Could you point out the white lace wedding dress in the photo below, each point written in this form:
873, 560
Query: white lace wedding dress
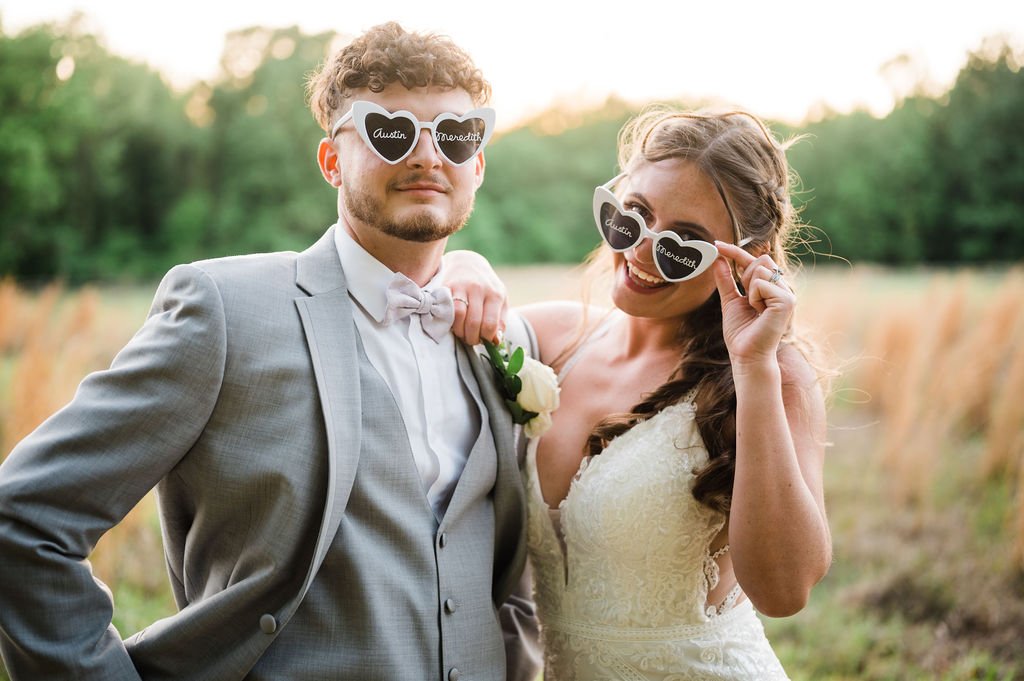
622, 568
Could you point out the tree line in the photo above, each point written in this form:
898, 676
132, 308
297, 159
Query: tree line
107, 173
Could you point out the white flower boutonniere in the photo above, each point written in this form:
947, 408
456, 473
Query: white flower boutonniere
530, 388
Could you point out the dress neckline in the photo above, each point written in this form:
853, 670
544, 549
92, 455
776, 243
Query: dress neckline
531, 457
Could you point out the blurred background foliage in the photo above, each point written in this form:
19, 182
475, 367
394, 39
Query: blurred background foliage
107, 173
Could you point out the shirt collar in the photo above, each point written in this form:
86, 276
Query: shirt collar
367, 277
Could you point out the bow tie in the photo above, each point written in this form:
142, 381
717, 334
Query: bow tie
435, 307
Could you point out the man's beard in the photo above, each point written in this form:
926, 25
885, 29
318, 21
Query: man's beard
422, 227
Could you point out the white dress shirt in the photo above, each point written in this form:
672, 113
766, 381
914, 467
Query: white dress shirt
438, 410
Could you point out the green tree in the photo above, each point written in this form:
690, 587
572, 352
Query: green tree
866, 183
938, 180
90, 145
980, 150
535, 203
260, 183
106, 172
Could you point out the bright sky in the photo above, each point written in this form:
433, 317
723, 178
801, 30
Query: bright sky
779, 59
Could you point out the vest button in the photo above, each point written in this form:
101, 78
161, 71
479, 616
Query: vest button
443, 540
449, 606
454, 674
268, 625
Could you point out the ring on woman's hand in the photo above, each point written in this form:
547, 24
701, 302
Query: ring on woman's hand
776, 275
461, 300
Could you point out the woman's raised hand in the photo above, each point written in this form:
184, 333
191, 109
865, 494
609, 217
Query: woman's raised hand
752, 324
480, 297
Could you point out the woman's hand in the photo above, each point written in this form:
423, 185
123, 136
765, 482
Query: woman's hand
481, 299
753, 324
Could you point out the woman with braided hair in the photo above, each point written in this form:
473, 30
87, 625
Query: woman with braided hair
679, 487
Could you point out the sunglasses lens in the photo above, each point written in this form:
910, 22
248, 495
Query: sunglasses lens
620, 231
679, 261
392, 138
459, 141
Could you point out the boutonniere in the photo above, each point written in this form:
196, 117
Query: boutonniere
529, 387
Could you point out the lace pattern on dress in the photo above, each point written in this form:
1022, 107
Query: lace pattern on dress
711, 577
627, 598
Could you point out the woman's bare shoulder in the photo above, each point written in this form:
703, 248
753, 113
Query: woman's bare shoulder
560, 323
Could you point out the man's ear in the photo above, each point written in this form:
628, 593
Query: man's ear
480, 163
327, 158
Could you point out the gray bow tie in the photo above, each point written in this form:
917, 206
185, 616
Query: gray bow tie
435, 307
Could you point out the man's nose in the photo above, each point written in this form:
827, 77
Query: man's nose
424, 154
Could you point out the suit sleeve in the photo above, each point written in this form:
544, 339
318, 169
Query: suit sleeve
82, 470
523, 652
519, 333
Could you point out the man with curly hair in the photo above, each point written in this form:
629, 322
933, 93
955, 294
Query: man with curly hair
337, 480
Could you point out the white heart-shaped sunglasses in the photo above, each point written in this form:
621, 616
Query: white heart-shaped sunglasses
677, 259
393, 136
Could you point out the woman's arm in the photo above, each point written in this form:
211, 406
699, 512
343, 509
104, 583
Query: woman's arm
778, 533
481, 307
779, 536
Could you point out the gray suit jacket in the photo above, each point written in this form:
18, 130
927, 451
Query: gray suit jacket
236, 400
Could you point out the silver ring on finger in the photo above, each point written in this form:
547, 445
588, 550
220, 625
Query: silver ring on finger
776, 275
461, 300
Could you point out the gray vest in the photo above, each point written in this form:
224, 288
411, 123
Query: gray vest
400, 595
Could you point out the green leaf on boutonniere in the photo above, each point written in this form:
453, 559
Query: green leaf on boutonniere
515, 363
513, 385
496, 359
509, 384
519, 415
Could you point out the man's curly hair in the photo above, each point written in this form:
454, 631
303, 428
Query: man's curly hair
388, 54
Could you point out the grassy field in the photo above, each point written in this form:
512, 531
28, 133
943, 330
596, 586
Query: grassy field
924, 479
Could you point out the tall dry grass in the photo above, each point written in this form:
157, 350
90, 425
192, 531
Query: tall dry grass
939, 367
10, 300
49, 340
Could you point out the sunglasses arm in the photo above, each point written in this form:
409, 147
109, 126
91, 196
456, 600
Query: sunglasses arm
341, 121
611, 183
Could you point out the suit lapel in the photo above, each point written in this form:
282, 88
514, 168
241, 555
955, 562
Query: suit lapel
331, 337
509, 499
497, 413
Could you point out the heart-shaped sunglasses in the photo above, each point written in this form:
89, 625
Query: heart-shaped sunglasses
677, 259
393, 136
